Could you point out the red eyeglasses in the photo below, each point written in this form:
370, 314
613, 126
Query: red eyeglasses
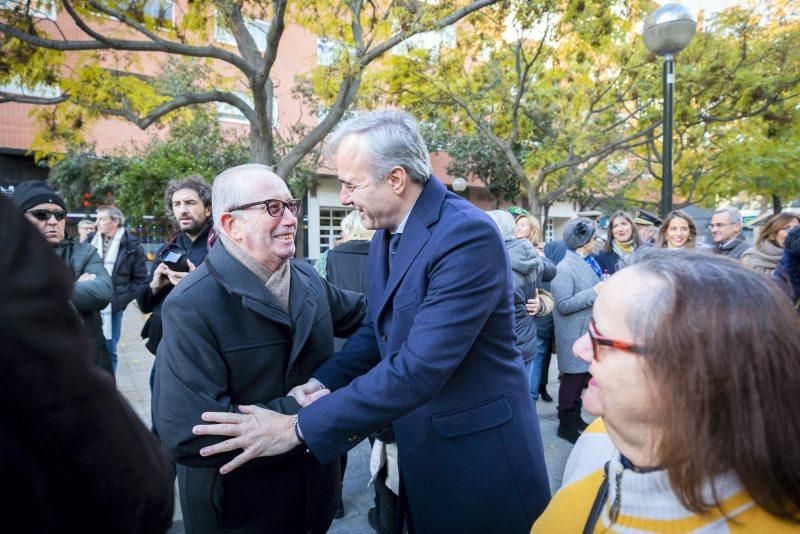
598, 340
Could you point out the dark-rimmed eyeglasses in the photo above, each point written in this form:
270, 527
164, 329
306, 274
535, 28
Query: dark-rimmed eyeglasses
44, 215
275, 207
599, 340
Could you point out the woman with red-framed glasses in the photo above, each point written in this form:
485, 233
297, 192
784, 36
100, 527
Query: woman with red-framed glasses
695, 365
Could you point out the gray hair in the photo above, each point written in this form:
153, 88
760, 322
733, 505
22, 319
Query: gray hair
114, 213
235, 186
393, 139
353, 229
734, 215
505, 222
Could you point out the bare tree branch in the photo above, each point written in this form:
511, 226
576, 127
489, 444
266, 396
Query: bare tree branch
180, 102
38, 100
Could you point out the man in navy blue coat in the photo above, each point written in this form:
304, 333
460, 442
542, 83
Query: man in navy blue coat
434, 356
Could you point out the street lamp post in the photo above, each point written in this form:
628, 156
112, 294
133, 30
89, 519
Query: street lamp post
667, 31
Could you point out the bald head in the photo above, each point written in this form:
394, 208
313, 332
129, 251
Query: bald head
240, 185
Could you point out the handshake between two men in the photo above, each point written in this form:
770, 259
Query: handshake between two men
258, 431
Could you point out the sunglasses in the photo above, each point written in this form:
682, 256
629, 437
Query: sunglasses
275, 207
599, 340
44, 215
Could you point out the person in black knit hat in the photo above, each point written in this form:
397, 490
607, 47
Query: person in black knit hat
47, 211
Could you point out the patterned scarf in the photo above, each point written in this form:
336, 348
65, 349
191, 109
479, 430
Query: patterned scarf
277, 283
591, 262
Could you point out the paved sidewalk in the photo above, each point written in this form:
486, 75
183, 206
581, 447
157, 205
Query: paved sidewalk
133, 375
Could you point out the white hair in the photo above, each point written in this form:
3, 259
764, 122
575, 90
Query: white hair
505, 222
235, 186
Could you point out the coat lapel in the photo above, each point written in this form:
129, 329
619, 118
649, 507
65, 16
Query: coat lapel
424, 214
303, 299
239, 280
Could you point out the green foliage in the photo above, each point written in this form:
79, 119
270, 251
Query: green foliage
136, 184
82, 178
197, 146
562, 88
472, 156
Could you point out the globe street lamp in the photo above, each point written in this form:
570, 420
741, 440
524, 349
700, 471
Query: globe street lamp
459, 185
667, 31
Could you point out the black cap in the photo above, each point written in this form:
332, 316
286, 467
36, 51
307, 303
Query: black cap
646, 219
33, 192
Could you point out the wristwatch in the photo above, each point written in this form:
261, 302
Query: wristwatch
297, 429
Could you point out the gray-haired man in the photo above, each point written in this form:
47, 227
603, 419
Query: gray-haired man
726, 231
123, 258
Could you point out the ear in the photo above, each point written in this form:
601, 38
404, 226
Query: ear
398, 180
231, 226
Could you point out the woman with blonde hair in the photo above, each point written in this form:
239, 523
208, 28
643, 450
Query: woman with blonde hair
528, 227
764, 257
678, 231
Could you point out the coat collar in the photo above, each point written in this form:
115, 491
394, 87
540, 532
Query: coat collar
236, 279
425, 214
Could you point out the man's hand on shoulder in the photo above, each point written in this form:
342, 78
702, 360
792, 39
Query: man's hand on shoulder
307, 393
258, 431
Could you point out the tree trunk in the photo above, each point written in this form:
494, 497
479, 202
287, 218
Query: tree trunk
535, 207
777, 205
260, 149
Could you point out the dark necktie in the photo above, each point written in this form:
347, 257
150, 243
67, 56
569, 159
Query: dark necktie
394, 242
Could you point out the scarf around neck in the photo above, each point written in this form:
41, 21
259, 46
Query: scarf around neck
623, 248
278, 283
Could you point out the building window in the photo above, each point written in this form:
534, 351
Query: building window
229, 113
548, 230
328, 51
330, 222
16, 87
257, 28
44, 9
158, 10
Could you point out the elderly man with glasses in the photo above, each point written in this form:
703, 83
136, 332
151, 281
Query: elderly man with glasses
726, 231
243, 329
47, 211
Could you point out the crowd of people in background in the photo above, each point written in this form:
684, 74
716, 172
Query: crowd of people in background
429, 329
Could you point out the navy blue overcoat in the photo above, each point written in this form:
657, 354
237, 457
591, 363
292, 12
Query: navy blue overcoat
435, 356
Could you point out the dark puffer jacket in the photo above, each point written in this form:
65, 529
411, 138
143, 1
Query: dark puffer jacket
130, 271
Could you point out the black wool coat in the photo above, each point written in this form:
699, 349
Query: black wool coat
228, 342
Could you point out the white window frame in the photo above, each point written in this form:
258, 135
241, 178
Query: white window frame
229, 113
16, 87
330, 225
257, 28
329, 49
38, 10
